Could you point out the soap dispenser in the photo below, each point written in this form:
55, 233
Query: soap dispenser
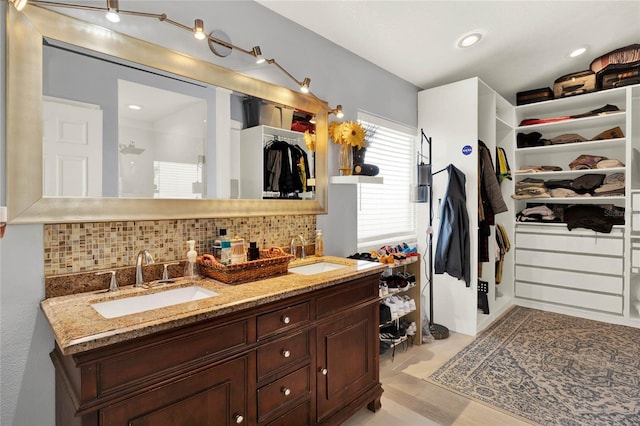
191, 268
319, 250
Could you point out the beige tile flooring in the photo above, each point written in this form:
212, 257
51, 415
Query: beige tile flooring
408, 400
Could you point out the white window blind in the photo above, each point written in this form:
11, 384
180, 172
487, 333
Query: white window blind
177, 180
385, 212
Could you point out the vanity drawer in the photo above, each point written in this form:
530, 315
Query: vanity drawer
347, 294
158, 357
276, 356
285, 392
299, 416
283, 319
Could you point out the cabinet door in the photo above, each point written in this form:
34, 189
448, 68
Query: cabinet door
347, 362
215, 396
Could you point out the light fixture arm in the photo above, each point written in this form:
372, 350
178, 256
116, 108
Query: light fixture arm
304, 85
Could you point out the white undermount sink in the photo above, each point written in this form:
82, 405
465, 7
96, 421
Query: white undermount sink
135, 304
316, 268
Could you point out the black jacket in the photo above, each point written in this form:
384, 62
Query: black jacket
453, 250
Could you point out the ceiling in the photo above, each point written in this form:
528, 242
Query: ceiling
525, 46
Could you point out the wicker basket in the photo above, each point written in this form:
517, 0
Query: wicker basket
272, 262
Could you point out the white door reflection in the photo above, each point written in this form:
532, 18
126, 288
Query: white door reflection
72, 148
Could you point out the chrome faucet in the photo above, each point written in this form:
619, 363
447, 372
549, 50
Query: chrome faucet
303, 242
148, 259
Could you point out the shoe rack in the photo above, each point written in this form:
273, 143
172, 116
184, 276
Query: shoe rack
404, 315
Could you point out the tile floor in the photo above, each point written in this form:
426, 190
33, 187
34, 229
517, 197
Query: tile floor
408, 400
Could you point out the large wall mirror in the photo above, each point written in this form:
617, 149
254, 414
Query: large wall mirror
135, 171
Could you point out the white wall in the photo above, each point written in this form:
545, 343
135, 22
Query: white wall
27, 383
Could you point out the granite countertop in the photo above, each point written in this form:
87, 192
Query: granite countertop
78, 327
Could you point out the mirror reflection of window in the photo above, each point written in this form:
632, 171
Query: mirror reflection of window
168, 133
177, 180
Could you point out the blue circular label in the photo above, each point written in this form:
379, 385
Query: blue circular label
466, 150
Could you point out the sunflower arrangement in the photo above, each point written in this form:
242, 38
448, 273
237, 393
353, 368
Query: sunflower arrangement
349, 132
310, 140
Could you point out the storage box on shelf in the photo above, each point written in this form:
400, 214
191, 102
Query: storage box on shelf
579, 271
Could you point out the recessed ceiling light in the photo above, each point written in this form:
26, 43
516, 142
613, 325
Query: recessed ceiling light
135, 107
469, 40
577, 52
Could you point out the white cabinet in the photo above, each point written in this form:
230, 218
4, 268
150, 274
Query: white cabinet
456, 116
252, 176
580, 268
580, 271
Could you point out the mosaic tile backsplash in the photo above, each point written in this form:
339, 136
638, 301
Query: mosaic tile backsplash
81, 247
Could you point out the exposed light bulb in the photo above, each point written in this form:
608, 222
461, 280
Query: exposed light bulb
135, 107
304, 88
19, 4
198, 31
258, 55
112, 11
339, 112
113, 16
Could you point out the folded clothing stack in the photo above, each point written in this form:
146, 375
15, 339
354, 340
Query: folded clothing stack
599, 218
530, 188
533, 139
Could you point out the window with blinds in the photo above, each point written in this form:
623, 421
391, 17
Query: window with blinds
177, 180
385, 212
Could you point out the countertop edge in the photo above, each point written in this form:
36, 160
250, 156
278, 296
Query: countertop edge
70, 327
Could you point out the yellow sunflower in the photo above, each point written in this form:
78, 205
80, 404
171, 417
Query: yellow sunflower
353, 133
335, 132
310, 140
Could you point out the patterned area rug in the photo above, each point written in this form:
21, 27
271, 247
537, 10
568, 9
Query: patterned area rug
551, 369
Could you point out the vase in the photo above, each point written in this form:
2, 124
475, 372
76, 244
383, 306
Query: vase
358, 155
345, 159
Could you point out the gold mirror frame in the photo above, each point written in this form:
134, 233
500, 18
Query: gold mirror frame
25, 203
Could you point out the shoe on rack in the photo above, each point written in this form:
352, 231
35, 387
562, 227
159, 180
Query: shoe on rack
383, 289
385, 313
384, 346
411, 279
407, 304
400, 306
412, 304
393, 307
396, 282
393, 330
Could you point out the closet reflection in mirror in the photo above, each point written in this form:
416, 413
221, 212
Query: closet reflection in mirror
117, 129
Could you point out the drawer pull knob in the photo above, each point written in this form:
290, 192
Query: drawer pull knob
323, 371
286, 319
286, 353
238, 418
286, 391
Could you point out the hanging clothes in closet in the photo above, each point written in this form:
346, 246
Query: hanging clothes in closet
286, 169
453, 250
490, 202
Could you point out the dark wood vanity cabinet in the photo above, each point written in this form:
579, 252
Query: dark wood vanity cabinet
308, 359
212, 396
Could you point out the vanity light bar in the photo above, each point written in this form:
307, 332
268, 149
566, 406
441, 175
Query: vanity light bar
198, 31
